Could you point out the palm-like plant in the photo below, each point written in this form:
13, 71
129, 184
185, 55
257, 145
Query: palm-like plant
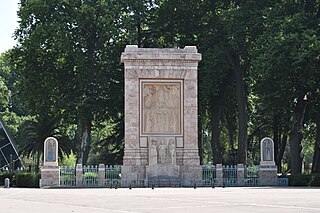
32, 134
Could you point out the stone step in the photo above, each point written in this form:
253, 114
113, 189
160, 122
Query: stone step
164, 181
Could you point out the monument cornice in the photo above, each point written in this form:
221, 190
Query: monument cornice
133, 53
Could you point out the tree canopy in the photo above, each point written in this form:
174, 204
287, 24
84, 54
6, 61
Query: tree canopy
259, 75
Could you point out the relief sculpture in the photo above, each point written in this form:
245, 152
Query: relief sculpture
162, 150
161, 108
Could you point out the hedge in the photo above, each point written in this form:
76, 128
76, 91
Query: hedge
305, 180
28, 180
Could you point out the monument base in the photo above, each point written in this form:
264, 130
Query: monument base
162, 170
50, 176
267, 174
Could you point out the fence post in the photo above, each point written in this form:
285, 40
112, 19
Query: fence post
102, 174
79, 175
240, 175
219, 175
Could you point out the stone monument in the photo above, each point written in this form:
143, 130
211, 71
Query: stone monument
267, 168
50, 172
161, 135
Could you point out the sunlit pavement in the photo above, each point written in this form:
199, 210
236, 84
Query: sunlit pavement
230, 199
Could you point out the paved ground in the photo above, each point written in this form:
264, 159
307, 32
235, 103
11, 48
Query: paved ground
166, 200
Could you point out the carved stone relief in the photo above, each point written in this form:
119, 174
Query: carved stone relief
162, 150
267, 149
161, 107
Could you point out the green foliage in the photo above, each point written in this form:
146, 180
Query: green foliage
28, 180
68, 160
64, 76
305, 180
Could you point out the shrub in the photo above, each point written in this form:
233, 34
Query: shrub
305, 180
28, 180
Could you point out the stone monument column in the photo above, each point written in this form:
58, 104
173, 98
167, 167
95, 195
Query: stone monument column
50, 171
267, 168
161, 135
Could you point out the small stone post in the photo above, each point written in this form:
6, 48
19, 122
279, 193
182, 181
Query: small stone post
7, 183
79, 175
50, 171
102, 175
240, 174
219, 175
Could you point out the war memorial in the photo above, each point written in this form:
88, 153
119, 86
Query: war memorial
161, 135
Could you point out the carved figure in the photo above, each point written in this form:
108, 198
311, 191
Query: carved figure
153, 158
268, 149
162, 151
172, 151
51, 146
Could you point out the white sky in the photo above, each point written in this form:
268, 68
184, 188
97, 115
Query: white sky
8, 23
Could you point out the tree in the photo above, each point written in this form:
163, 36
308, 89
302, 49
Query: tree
287, 61
66, 56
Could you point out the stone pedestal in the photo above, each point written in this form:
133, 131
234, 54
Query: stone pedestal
102, 174
50, 176
162, 170
79, 175
268, 175
267, 168
160, 113
50, 171
219, 175
240, 175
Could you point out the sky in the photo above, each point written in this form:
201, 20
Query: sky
8, 23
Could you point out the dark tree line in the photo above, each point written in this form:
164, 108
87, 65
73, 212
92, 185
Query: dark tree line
259, 75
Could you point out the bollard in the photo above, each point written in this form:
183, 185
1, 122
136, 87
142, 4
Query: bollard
130, 187
194, 185
152, 186
6, 183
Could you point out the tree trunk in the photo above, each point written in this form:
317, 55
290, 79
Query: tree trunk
215, 109
296, 135
85, 141
282, 147
86, 112
231, 136
316, 155
276, 134
234, 59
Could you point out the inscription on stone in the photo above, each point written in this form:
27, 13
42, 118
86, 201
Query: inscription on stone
161, 108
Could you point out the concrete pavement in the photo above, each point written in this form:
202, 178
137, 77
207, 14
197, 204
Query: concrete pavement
201, 200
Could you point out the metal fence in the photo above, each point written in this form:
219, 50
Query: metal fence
67, 176
113, 175
90, 176
110, 176
229, 175
208, 175
251, 175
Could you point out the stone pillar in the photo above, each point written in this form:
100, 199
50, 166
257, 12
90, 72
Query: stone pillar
267, 169
102, 175
79, 175
160, 110
219, 175
50, 171
240, 175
